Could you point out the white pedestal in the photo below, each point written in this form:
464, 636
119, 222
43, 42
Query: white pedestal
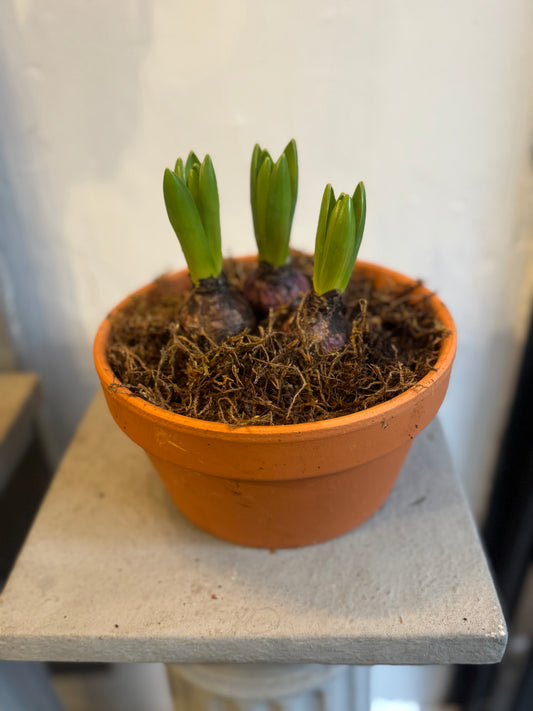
269, 687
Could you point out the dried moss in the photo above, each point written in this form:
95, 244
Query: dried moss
269, 377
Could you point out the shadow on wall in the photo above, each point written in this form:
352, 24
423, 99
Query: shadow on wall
70, 103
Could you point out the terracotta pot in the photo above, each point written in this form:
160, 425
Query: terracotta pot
281, 486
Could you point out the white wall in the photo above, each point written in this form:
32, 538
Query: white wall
427, 102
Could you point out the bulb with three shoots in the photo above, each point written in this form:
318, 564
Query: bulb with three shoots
213, 309
341, 223
275, 283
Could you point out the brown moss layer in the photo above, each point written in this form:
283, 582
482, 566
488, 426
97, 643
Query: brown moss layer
270, 377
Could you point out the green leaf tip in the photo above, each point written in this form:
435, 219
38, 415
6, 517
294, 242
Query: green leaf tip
273, 193
341, 224
193, 208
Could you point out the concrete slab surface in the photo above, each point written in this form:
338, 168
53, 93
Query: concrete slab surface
112, 571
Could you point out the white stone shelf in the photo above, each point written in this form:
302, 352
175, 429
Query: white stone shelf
112, 571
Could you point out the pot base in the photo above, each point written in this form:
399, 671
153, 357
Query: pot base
284, 513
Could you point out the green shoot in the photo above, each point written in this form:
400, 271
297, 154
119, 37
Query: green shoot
191, 199
273, 191
338, 238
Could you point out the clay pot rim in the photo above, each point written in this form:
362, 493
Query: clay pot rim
209, 428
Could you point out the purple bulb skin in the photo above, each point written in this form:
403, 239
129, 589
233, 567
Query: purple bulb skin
268, 287
323, 322
215, 310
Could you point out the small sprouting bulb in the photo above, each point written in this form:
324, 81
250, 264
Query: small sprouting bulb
191, 199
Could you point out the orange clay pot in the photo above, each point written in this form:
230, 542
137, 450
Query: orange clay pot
281, 486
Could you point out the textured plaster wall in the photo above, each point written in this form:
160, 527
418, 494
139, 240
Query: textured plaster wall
427, 102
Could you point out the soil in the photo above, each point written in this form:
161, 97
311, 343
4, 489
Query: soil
269, 377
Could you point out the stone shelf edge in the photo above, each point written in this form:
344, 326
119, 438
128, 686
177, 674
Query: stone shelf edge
111, 571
